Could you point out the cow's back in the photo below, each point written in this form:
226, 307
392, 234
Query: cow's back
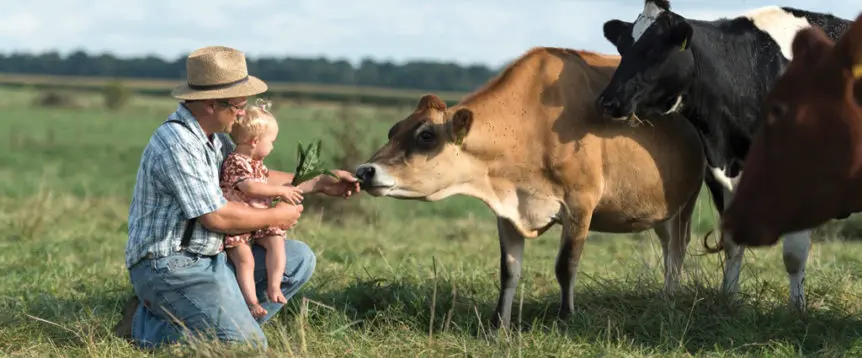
647, 173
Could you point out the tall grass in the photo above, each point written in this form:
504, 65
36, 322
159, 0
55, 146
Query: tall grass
394, 278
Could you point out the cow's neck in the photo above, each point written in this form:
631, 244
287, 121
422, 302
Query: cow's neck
721, 100
531, 209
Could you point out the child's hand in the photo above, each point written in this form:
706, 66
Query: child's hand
291, 195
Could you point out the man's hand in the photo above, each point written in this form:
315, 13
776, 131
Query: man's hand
288, 214
235, 217
344, 185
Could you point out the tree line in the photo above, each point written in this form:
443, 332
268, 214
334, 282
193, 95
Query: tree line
420, 75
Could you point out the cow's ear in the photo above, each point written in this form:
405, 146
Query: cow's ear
857, 91
808, 41
849, 47
857, 85
430, 101
460, 125
680, 35
614, 30
856, 59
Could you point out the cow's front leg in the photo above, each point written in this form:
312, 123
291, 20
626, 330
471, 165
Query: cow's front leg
796, 248
576, 225
511, 254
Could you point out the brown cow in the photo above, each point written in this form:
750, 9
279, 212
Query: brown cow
805, 164
531, 146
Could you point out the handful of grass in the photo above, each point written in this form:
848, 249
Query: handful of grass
308, 163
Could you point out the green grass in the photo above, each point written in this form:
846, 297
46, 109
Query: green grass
410, 279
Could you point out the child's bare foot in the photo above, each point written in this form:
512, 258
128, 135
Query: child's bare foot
274, 294
257, 310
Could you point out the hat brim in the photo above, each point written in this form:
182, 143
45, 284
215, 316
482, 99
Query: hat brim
248, 88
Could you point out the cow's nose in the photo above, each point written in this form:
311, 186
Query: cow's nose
365, 173
607, 105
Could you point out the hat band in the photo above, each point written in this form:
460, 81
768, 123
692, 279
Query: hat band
217, 86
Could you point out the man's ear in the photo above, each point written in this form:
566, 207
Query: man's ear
210, 105
680, 35
614, 29
460, 124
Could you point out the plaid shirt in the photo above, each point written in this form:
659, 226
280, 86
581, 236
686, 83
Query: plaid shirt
177, 180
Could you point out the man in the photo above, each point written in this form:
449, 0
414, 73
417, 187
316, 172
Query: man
178, 216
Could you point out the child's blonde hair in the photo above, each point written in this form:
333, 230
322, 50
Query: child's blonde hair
256, 121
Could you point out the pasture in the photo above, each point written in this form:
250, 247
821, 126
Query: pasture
393, 278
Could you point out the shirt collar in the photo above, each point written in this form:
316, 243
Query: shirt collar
184, 115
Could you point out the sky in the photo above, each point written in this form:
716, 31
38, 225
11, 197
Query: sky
488, 32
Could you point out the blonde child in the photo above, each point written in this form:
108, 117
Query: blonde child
244, 179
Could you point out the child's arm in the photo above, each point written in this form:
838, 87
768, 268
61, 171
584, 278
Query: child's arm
259, 189
286, 193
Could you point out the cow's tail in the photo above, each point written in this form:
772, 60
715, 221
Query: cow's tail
719, 247
716, 191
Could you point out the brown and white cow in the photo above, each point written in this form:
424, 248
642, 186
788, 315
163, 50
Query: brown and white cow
805, 165
532, 146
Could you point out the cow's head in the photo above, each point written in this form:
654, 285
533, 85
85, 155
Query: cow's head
803, 154
424, 157
656, 65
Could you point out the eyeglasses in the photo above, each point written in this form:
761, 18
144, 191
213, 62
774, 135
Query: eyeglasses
231, 105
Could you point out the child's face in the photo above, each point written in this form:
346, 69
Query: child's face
265, 142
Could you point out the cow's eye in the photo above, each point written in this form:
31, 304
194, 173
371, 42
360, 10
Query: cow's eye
778, 109
654, 52
426, 137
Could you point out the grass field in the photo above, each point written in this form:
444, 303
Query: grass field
304, 91
394, 278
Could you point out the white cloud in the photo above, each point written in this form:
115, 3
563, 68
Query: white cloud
483, 31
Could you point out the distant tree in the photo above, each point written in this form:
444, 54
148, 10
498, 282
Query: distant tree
421, 75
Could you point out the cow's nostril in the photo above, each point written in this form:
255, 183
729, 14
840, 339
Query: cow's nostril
607, 105
600, 103
365, 173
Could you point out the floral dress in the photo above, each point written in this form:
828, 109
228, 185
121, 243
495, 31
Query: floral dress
235, 169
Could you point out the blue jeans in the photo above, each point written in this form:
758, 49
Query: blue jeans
202, 293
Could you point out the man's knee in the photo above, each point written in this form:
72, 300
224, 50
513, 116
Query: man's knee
203, 296
304, 260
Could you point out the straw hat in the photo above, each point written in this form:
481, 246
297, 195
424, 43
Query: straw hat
217, 72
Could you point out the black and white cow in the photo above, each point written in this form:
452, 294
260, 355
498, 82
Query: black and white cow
716, 73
